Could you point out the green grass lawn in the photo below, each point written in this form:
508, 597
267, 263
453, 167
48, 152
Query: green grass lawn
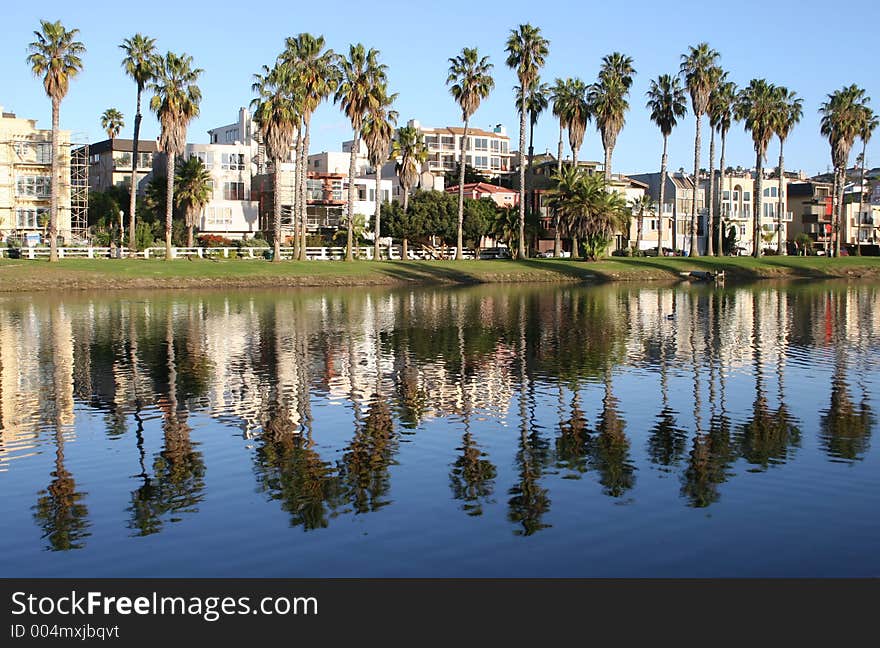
24, 275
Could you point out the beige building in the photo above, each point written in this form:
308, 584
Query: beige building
26, 181
486, 151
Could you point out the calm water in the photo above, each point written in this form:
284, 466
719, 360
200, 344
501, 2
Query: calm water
492, 431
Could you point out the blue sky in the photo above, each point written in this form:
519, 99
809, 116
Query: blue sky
230, 41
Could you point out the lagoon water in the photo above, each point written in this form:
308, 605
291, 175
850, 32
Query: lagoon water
480, 431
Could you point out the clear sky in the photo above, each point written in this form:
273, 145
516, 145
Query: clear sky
809, 46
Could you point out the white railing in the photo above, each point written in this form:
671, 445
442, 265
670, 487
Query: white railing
312, 253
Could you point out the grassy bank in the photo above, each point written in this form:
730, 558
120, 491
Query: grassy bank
105, 274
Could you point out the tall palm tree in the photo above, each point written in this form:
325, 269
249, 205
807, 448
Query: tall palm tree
721, 106
697, 69
192, 191
276, 113
140, 64
526, 52
112, 122
470, 80
608, 104
55, 56
842, 117
720, 77
789, 111
317, 76
410, 151
378, 130
756, 107
869, 125
536, 101
667, 104
560, 97
175, 101
361, 76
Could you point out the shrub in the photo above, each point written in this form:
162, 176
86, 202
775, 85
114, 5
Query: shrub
214, 241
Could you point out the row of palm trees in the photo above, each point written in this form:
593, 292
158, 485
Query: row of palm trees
306, 73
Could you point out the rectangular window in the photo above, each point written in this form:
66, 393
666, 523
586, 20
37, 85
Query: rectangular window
206, 157
431, 141
496, 163
447, 142
481, 162
481, 144
747, 196
218, 216
371, 195
742, 230
337, 190
725, 195
122, 159
232, 161
233, 191
29, 218
314, 189
496, 146
503, 146
31, 186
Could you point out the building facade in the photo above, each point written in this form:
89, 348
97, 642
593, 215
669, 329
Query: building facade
110, 163
487, 151
26, 182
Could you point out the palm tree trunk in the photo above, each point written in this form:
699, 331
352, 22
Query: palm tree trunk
663, 161
459, 255
304, 183
189, 235
405, 250
608, 151
720, 249
710, 224
521, 247
132, 202
355, 145
841, 208
55, 184
694, 244
861, 202
297, 185
276, 209
759, 194
639, 230
557, 239
832, 236
378, 213
574, 238
780, 240
169, 201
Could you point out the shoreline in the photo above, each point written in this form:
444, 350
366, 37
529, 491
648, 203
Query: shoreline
21, 276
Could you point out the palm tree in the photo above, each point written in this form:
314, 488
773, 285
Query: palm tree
175, 101
410, 151
560, 96
756, 106
639, 206
378, 130
536, 101
470, 80
361, 76
317, 76
140, 64
586, 208
112, 122
789, 111
721, 105
55, 56
697, 69
719, 78
608, 104
842, 117
192, 191
869, 125
526, 52
276, 113
666, 101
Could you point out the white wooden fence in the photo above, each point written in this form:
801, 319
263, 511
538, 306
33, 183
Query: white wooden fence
312, 253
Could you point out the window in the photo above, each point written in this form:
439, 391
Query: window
372, 195
39, 152
481, 144
232, 161
504, 147
496, 145
206, 157
122, 159
29, 218
447, 142
653, 224
386, 196
481, 162
233, 191
336, 189
218, 216
146, 160
34, 186
725, 195
747, 196
742, 230
431, 141
496, 163
314, 189
317, 163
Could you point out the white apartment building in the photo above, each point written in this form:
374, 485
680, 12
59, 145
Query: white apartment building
488, 151
231, 212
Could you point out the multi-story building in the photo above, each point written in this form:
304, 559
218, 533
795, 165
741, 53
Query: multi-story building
811, 205
110, 163
26, 181
231, 211
487, 151
677, 208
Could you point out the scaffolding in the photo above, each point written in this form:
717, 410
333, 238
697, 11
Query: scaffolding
79, 191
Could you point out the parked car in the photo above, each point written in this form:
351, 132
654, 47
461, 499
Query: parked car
495, 253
